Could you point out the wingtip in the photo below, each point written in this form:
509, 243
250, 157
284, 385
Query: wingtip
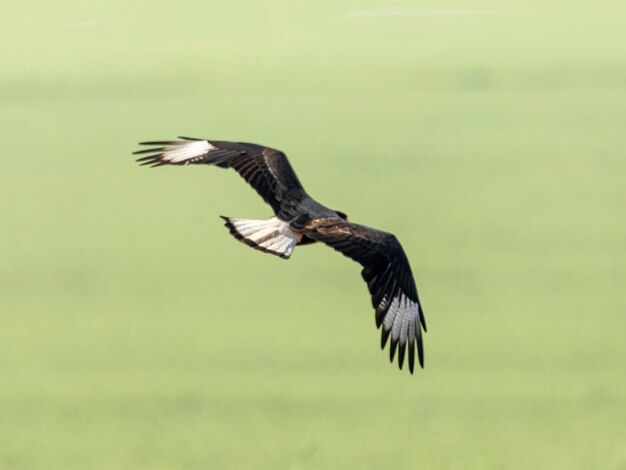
155, 150
392, 349
384, 338
423, 319
420, 358
155, 142
150, 158
420, 351
401, 352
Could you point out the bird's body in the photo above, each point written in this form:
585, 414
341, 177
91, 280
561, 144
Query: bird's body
300, 220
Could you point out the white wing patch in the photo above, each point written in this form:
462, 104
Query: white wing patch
271, 236
185, 151
402, 319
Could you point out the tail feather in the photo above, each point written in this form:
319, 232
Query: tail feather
270, 236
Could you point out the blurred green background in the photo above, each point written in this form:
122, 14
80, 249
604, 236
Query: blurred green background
135, 332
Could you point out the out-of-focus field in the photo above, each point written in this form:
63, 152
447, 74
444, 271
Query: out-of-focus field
135, 332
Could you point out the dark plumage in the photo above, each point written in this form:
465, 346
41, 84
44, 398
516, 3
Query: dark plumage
300, 220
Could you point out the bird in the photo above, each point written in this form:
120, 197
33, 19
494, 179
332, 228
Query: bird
301, 220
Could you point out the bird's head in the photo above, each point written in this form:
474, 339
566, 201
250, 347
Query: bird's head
343, 215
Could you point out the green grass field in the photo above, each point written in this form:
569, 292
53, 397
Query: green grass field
135, 332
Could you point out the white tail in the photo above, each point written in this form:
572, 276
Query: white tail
270, 236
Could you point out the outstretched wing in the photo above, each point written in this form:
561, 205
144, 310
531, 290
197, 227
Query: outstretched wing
267, 170
390, 282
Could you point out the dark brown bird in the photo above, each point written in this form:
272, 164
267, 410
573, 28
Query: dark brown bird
300, 220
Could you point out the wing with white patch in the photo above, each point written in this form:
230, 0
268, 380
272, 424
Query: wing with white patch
390, 282
267, 170
269, 236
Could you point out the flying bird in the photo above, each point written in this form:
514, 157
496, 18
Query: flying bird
300, 220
